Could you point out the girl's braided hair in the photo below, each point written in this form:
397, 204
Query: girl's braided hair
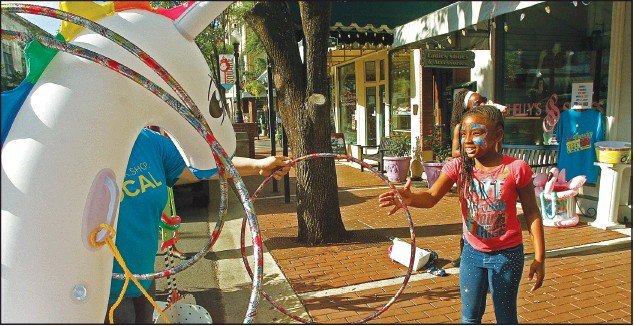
465, 179
458, 108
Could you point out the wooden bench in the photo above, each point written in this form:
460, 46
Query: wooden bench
373, 154
540, 158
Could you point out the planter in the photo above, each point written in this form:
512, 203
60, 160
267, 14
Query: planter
416, 169
396, 168
432, 171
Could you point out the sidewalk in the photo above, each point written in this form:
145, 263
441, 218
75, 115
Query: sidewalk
588, 271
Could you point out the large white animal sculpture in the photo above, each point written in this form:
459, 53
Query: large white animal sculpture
65, 154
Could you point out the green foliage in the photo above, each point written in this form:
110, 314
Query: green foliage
418, 150
400, 145
12, 81
254, 87
439, 148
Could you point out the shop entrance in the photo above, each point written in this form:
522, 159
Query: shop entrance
441, 79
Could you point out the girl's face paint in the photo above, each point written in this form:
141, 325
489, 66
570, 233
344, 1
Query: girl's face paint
473, 136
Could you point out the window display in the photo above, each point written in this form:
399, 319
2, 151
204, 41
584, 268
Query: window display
545, 56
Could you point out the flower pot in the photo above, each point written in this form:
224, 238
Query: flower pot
396, 168
416, 169
432, 171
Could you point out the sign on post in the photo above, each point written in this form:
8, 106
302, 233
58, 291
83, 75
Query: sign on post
448, 59
225, 64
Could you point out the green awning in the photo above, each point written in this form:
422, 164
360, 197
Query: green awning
371, 17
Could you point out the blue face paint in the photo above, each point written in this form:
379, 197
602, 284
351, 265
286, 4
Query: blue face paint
480, 139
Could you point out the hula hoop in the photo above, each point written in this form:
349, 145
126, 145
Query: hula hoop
405, 209
188, 113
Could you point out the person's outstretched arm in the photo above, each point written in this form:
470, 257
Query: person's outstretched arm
247, 166
536, 230
417, 198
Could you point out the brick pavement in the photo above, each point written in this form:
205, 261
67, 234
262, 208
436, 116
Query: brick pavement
586, 287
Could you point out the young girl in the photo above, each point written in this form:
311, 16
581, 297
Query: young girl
464, 101
488, 184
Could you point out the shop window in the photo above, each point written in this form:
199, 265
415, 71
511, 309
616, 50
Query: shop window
370, 71
348, 103
7, 61
400, 91
545, 56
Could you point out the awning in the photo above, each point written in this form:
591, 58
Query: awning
454, 17
370, 21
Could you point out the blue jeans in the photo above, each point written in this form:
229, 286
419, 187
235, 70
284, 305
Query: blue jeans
500, 273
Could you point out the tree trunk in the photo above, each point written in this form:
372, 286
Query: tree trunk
306, 122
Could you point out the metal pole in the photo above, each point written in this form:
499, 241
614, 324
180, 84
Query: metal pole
238, 113
272, 117
287, 180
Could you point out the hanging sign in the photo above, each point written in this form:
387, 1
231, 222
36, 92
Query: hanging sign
448, 59
225, 64
581, 95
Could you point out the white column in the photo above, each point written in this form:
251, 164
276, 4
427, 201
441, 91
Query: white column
609, 196
619, 108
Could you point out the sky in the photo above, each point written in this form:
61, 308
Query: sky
48, 24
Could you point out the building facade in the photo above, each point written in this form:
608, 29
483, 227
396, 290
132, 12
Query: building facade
538, 58
13, 64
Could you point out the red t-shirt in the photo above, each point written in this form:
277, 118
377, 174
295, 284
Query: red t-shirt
489, 219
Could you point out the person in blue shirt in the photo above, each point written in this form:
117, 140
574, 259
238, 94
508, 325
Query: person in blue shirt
154, 165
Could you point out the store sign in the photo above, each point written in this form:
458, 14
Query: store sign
448, 59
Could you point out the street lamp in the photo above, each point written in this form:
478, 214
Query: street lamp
235, 39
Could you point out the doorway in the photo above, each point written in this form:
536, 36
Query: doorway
441, 79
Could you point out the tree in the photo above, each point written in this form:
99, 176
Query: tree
304, 112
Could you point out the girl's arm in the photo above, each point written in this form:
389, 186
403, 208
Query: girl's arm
455, 142
417, 198
536, 229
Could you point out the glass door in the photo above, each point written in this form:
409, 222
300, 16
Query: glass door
370, 105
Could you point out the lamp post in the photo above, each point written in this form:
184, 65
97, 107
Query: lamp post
235, 37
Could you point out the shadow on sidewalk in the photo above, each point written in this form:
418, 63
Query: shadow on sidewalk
371, 302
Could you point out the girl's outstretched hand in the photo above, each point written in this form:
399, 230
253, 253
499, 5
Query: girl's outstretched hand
537, 267
389, 198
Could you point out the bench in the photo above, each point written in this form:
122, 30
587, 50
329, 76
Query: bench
540, 158
373, 154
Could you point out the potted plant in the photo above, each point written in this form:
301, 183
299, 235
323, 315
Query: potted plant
441, 151
396, 160
416, 164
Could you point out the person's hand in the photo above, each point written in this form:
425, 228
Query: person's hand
537, 267
389, 198
266, 166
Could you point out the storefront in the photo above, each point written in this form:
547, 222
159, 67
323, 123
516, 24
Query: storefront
538, 58
424, 76
547, 54
360, 98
